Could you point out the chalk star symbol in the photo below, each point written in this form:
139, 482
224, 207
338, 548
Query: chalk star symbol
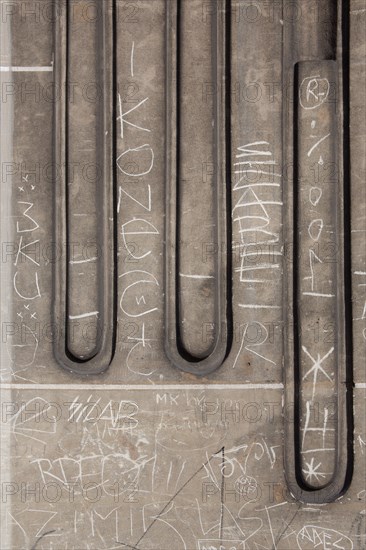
312, 471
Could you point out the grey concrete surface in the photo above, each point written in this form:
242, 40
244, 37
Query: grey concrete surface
247, 108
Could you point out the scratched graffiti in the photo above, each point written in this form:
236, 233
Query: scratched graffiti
320, 254
145, 456
133, 472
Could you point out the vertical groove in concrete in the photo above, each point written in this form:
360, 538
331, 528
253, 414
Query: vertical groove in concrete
99, 357
214, 281
318, 458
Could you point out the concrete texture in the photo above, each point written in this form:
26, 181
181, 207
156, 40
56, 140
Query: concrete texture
146, 402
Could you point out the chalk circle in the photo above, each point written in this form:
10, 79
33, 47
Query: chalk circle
246, 486
313, 92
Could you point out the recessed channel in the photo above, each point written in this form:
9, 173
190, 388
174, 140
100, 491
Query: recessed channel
84, 190
198, 234
318, 455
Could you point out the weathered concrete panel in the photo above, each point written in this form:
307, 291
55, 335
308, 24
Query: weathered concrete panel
128, 125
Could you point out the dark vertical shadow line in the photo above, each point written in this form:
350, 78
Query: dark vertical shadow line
99, 60
178, 157
114, 172
66, 178
295, 283
101, 63
228, 167
347, 235
220, 89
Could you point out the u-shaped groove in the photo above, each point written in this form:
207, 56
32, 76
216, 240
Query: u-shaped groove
101, 356
312, 113
174, 348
